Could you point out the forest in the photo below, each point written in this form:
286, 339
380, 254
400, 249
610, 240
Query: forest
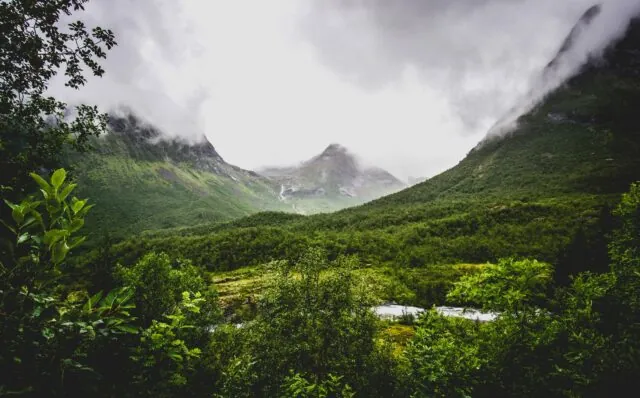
282, 305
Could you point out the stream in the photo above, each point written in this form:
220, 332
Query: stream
395, 311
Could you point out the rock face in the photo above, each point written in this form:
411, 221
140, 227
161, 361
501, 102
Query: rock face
143, 142
335, 177
141, 181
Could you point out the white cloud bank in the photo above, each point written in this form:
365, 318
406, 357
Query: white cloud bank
409, 85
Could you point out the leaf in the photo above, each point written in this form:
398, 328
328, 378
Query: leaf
175, 357
43, 184
76, 224
59, 252
54, 235
11, 205
9, 227
127, 329
29, 221
88, 306
38, 217
66, 191
23, 238
58, 177
18, 214
77, 241
78, 205
84, 211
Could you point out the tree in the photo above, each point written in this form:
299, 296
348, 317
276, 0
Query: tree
510, 285
35, 47
159, 283
315, 322
47, 333
444, 357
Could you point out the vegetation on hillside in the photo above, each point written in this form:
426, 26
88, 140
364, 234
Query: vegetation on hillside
149, 183
179, 313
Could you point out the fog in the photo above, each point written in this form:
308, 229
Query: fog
408, 85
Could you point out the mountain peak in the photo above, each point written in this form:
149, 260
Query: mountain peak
334, 149
332, 180
585, 20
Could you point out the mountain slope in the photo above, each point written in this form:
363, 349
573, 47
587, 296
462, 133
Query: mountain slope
140, 182
583, 139
544, 191
330, 181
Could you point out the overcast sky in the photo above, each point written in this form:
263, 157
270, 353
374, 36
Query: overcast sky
408, 85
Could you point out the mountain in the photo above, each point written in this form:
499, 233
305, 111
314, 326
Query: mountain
331, 180
582, 139
544, 191
140, 181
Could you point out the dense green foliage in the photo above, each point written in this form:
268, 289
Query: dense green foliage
324, 318
580, 342
48, 333
143, 317
311, 331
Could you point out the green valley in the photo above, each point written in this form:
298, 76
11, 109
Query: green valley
135, 265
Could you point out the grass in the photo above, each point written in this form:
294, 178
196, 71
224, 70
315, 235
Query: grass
421, 287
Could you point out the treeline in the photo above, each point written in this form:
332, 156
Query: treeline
543, 230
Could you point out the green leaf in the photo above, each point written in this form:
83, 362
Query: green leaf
127, 329
23, 238
9, 227
77, 241
41, 181
54, 235
84, 211
175, 357
29, 221
59, 252
11, 205
36, 214
58, 177
18, 214
78, 205
90, 304
76, 224
66, 191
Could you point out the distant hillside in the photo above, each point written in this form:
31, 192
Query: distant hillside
583, 139
544, 191
140, 181
330, 181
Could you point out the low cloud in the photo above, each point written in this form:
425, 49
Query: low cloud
482, 55
409, 85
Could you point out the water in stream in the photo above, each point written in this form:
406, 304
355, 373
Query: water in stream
394, 311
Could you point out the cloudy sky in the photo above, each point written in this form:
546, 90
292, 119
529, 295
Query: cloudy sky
408, 85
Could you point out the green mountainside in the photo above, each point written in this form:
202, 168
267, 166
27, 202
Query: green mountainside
543, 191
469, 284
140, 182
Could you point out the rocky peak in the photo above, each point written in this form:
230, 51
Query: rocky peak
334, 150
334, 173
140, 140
